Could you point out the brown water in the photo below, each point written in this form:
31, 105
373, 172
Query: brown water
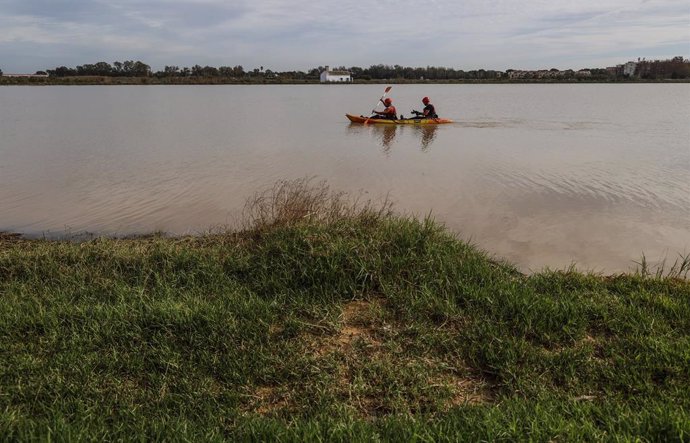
543, 175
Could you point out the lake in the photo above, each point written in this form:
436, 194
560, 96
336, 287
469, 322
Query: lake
543, 175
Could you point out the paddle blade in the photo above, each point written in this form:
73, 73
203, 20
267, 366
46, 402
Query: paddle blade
388, 89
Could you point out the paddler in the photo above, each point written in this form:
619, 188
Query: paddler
390, 111
428, 112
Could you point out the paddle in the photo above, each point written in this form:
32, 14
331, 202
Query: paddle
377, 103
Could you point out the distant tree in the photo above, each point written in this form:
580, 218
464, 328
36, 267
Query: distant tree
356, 71
225, 71
290, 75
141, 69
677, 68
40, 73
210, 71
62, 71
171, 71
100, 68
0, 72
408, 73
86, 69
204, 71
103, 68
128, 68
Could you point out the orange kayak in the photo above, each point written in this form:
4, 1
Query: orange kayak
407, 121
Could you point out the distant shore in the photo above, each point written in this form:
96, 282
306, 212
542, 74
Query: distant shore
108, 81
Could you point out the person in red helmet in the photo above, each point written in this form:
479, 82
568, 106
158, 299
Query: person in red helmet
390, 111
429, 110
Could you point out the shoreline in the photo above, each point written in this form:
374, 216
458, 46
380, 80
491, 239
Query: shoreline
644, 267
117, 81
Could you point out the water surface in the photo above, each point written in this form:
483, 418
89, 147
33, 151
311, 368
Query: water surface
543, 175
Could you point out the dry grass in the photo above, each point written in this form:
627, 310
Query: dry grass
679, 269
294, 201
9, 236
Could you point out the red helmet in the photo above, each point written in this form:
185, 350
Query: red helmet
425, 100
387, 101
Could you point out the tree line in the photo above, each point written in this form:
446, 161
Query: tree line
128, 68
375, 72
676, 68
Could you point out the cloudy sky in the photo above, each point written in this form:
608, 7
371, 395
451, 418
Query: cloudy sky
300, 34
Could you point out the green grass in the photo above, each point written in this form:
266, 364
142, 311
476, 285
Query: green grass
331, 322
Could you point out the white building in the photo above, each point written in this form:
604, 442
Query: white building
328, 76
629, 69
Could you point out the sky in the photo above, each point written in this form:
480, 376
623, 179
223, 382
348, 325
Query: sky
302, 34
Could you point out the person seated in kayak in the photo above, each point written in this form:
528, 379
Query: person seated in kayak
389, 113
429, 110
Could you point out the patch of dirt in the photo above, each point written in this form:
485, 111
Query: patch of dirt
355, 325
588, 339
214, 387
361, 326
468, 391
275, 329
361, 343
267, 400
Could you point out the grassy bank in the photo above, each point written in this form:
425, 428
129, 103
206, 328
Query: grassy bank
324, 320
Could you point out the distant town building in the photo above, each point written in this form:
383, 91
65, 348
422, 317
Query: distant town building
675, 68
629, 69
26, 75
615, 71
328, 76
540, 74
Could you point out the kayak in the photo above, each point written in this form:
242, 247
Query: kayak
407, 121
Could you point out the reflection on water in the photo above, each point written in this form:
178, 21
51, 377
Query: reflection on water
427, 135
385, 134
538, 174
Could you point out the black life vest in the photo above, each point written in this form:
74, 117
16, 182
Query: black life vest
432, 111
